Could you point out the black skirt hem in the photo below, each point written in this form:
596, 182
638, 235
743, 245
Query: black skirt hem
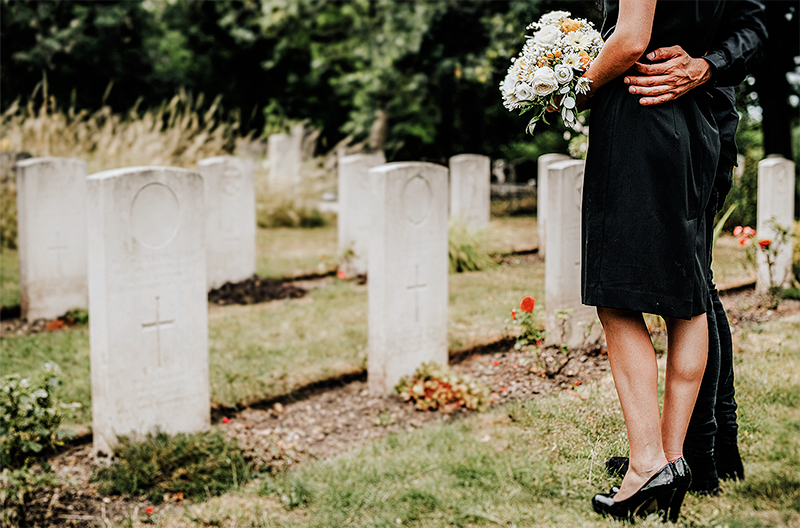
645, 302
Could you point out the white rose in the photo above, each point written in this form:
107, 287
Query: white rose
547, 36
510, 83
524, 92
563, 73
554, 16
544, 81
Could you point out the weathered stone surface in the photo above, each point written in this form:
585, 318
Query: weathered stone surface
775, 209
470, 179
147, 303
285, 157
566, 319
408, 268
231, 219
51, 219
544, 163
354, 220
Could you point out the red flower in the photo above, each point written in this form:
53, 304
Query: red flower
764, 244
743, 241
495, 363
515, 366
527, 303
341, 274
538, 342
226, 420
591, 417
503, 389
513, 314
737, 231
749, 232
578, 382
149, 510
55, 324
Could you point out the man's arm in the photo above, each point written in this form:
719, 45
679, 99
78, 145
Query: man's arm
675, 72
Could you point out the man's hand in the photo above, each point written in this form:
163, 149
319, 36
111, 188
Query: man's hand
673, 74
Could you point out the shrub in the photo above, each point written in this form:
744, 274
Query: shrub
30, 417
8, 216
288, 213
197, 465
467, 249
19, 488
437, 387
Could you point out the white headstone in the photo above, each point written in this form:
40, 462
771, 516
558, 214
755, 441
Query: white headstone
470, 180
354, 220
231, 219
51, 215
776, 183
567, 321
544, 162
147, 303
408, 272
285, 157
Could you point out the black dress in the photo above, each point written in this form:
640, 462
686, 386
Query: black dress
649, 175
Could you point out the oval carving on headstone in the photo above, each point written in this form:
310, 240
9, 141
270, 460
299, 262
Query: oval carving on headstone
417, 197
155, 215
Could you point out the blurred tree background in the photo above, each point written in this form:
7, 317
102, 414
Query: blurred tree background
431, 67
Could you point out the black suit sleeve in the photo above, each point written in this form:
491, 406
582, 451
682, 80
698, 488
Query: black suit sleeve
741, 35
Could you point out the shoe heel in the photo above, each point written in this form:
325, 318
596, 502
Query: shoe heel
676, 502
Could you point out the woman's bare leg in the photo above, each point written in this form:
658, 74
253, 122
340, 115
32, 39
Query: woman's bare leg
687, 354
635, 371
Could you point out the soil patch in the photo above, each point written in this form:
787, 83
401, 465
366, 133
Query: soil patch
254, 290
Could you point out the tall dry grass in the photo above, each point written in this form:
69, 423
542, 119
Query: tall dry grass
179, 132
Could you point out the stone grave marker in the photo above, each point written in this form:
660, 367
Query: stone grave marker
231, 219
566, 319
408, 271
354, 220
285, 157
51, 216
470, 179
543, 163
147, 303
775, 208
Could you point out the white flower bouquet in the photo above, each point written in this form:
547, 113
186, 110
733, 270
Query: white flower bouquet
549, 69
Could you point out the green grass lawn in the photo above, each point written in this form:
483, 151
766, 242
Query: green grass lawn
535, 463
262, 350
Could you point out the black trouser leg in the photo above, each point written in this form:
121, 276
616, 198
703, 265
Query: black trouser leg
726, 445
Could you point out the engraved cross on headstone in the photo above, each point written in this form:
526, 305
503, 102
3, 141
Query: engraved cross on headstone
156, 327
415, 288
58, 247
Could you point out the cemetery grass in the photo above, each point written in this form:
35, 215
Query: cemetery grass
533, 463
265, 350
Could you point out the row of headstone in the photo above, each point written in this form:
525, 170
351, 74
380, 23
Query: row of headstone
469, 201
52, 227
560, 183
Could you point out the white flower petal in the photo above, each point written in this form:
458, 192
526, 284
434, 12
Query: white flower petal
568, 102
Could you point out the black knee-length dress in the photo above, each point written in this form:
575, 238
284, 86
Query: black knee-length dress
649, 175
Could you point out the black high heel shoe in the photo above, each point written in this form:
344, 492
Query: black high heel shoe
655, 496
684, 479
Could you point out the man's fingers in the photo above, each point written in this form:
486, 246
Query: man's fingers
661, 54
649, 101
639, 80
651, 90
